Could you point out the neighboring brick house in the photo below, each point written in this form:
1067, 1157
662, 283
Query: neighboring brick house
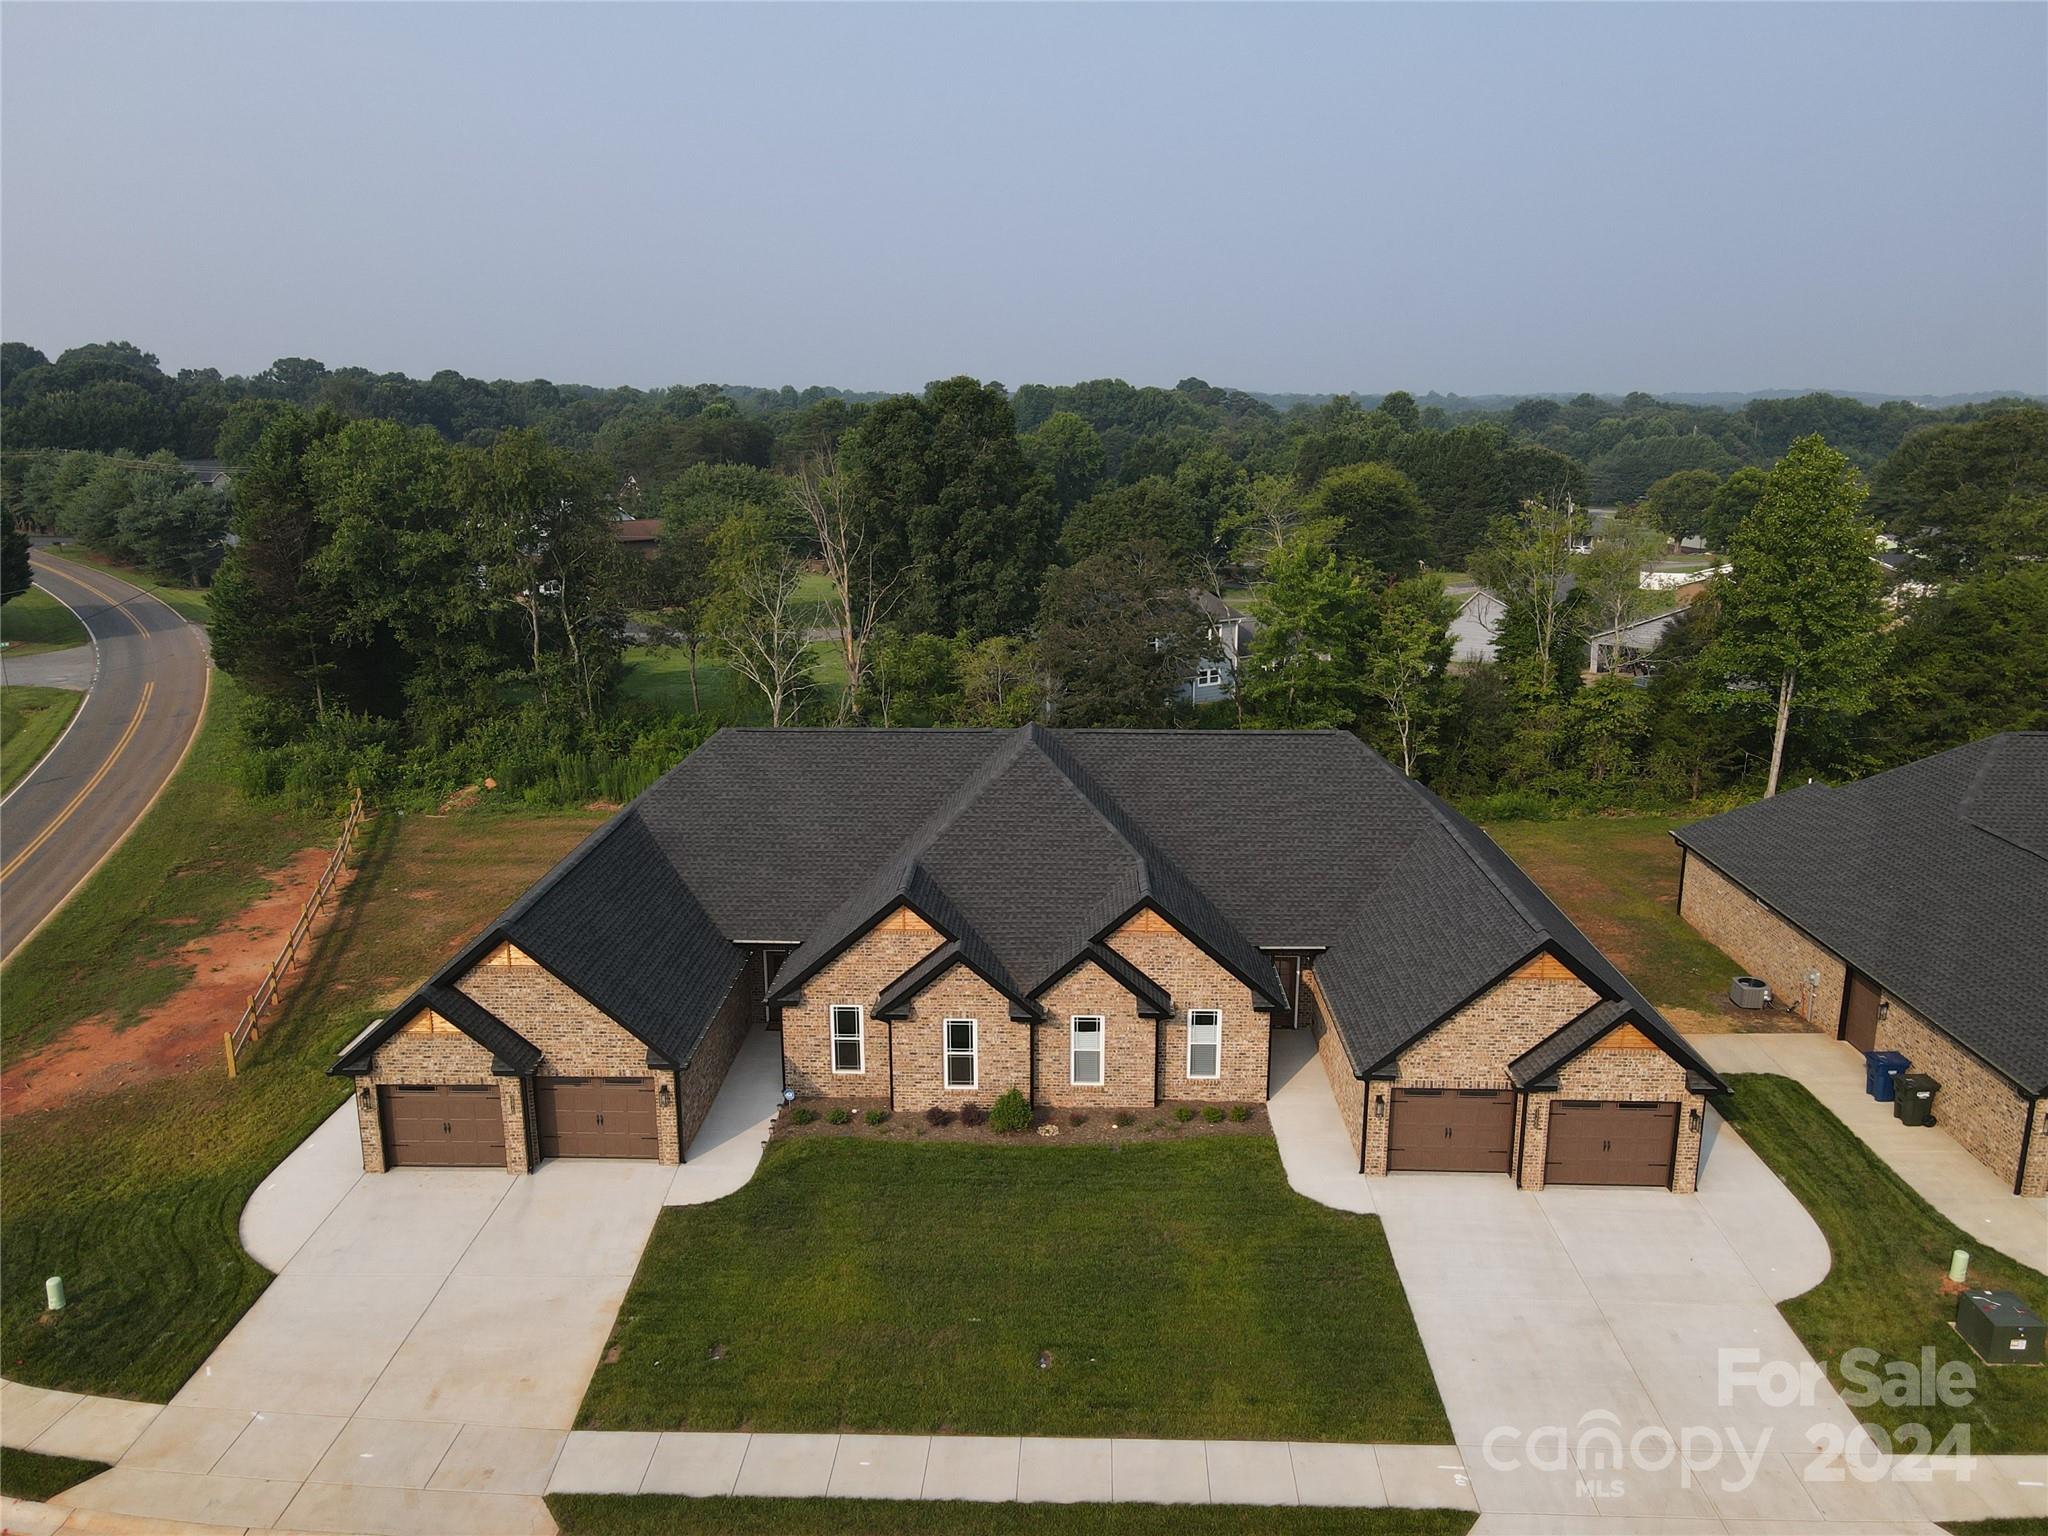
1907, 912
1097, 919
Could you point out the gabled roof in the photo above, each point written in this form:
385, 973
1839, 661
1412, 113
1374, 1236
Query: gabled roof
1025, 850
511, 1052
894, 1003
1538, 1067
1931, 879
1153, 999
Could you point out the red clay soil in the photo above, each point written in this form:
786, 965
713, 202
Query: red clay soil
184, 1031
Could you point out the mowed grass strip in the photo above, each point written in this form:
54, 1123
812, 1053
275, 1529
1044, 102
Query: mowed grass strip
1178, 1290
31, 720
26, 1475
1617, 878
1891, 1252
36, 621
588, 1514
136, 1197
190, 602
201, 854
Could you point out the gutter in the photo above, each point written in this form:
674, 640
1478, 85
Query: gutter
2019, 1178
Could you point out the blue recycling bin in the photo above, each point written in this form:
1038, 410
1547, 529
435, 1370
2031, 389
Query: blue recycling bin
1881, 1071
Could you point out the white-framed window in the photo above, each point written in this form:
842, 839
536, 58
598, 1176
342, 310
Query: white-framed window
1208, 676
1085, 1050
849, 1048
1205, 1043
963, 1059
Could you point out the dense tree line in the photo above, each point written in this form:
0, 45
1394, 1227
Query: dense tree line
423, 580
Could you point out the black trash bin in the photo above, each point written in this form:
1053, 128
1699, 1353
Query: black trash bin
1915, 1101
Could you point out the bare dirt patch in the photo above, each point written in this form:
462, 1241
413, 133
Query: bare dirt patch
183, 1032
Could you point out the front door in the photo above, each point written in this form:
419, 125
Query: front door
595, 1116
1451, 1130
1859, 1012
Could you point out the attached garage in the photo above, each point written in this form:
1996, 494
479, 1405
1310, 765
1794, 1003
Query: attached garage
1451, 1130
1606, 1141
442, 1125
596, 1116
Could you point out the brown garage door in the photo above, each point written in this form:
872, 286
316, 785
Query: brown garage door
1452, 1130
596, 1116
442, 1126
1604, 1142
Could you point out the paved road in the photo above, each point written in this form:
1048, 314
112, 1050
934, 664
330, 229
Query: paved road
81, 799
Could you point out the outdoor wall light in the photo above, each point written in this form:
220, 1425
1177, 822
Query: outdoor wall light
369, 1096
1884, 1008
1693, 1115
1379, 1109
666, 1097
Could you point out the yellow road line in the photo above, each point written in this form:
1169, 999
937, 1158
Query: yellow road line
91, 784
114, 604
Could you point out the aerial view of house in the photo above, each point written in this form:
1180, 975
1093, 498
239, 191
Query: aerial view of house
1906, 912
1093, 918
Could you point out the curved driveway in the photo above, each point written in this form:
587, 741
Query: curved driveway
147, 696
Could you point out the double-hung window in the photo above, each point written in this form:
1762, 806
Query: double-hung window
961, 1057
848, 1053
1086, 1052
1205, 1043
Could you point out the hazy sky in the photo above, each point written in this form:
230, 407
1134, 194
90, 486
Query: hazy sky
1459, 197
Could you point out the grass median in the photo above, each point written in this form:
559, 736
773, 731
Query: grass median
36, 621
1891, 1251
26, 1475
31, 720
584, 1514
1179, 1290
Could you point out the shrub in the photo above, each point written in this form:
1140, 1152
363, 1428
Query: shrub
1213, 1114
1184, 1114
973, 1114
938, 1114
1239, 1113
840, 1116
802, 1116
876, 1116
1123, 1117
1010, 1113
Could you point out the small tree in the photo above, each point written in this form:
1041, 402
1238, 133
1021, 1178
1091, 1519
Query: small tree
1404, 670
1611, 578
1526, 560
15, 575
1274, 515
755, 618
677, 587
1800, 618
860, 596
1316, 618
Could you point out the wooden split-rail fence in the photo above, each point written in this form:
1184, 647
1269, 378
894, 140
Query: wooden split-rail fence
246, 1027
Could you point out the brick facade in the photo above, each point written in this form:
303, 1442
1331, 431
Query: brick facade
1762, 943
430, 1050
1472, 1048
1145, 1060
1632, 1074
1130, 1044
1345, 1085
1977, 1106
1193, 980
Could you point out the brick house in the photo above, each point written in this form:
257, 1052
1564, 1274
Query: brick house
1097, 919
1906, 912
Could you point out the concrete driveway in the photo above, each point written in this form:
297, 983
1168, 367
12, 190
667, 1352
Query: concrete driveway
417, 1363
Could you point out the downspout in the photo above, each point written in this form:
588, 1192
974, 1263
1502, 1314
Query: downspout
1521, 1133
2019, 1178
1684, 858
1364, 1119
682, 1141
1031, 1056
890, 1047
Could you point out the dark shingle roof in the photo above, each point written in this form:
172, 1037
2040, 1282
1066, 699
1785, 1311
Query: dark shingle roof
1931, 879
1025, 849
510, 1051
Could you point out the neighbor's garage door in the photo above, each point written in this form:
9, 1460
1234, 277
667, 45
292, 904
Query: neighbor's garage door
1604, 1142
596, 1116
442, 1126
1451, 1130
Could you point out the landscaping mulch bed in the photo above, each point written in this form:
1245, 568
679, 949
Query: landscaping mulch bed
1068, 1127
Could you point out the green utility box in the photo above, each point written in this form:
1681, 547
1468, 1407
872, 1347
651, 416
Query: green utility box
2001, 1327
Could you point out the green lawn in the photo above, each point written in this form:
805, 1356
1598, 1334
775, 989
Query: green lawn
2023, 1526
36, 621
31, 720
662, 678
1179, 1290
25, 1475
586, 1514
1891, 1251
135, 1197
190, 602
1617, 878
199, 856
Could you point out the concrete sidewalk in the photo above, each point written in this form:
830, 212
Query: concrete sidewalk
1946, 1177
